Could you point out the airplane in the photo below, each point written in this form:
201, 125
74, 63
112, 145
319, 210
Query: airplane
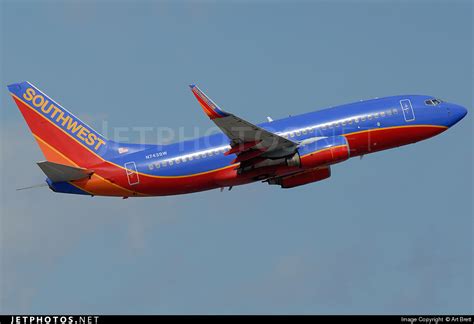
287, 152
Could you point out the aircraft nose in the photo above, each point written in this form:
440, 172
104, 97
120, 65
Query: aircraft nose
456, 113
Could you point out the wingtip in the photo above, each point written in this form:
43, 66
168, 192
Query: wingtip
192, 86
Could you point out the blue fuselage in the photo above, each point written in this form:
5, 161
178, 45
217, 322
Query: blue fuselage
206, 153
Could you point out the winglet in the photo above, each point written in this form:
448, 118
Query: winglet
210, 108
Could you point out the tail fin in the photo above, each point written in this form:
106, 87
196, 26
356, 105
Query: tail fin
62, 137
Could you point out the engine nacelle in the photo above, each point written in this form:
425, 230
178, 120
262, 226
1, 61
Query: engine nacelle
302, 178
324, 152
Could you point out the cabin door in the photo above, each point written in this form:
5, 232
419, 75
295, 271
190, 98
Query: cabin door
407, 110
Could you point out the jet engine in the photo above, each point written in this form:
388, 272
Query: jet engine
316, 154
323, 152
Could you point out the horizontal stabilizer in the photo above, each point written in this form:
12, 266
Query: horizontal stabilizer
60, 172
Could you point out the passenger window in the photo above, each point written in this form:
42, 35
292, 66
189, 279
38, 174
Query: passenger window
350, 121
312, 129
150, 166
171, 162
344, 123
298, 133
362, 118
185, 159
178, 161
157, 165
305, 131
382, 114
395, 111
190, 158
376, 115
165, 163
369, 117
292, 134
356, 120
389, 113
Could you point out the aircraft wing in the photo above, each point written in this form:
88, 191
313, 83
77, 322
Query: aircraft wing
248, 141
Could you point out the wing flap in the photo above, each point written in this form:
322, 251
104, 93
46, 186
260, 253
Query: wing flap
245, 156
241, 147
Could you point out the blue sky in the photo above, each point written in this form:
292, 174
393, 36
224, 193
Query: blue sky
391, 233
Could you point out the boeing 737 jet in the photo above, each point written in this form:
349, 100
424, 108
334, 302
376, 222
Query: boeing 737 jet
288, 152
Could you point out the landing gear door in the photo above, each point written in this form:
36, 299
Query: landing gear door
132, 174
407, 110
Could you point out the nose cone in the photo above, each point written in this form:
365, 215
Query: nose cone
456, 113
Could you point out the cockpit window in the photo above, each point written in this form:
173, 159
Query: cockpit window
433, 102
